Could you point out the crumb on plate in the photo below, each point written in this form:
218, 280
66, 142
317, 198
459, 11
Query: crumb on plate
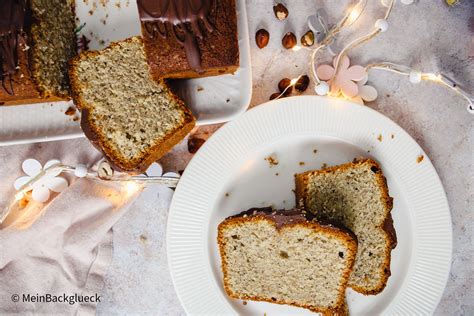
272, 161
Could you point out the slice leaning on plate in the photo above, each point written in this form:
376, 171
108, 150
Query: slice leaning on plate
131, 118
283, 258
356, 195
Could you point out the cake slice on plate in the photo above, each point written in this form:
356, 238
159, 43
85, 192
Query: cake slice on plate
283, 258
131, 118
356, 195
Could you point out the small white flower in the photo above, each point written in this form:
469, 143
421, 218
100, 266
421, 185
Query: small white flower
156, 170
49, 181
366, 93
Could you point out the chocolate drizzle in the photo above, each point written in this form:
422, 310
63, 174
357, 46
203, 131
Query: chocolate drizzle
280, 217
184, 19
12, 18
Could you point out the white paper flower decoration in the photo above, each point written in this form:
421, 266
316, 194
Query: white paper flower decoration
346, 78
46, 183
366, 93
156, 170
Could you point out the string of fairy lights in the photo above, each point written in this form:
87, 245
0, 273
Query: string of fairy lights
134, 183
101, 172
381, 25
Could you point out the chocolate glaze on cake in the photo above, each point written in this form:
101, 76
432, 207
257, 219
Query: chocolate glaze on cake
280, 217
12, 18
180, 18
292, 216
189, 38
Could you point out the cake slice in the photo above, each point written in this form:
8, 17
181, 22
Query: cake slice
187, 39
37, 41
356, 195
131, 118
283, 258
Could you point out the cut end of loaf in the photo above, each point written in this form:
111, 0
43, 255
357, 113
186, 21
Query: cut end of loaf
356, 195
53, 45
133, 119
299, 263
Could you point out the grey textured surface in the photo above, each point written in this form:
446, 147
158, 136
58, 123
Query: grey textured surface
427, 35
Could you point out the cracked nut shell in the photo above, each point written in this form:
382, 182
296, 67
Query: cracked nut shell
281, 12
307, 39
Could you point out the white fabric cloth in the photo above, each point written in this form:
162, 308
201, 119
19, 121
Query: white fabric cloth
62, 249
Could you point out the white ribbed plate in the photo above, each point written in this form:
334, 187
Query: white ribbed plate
213, 99
232, 161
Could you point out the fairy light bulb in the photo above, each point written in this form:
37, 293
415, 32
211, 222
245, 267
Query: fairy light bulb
355, 13
131, 187
432, 77
353, 16
415, 77
296, 48
19, 196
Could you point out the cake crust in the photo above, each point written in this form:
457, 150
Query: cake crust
301, 185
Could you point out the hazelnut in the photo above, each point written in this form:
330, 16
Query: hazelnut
194, 143
274, 95
289, 40
283, 84
262, 37
307, 39
302, 84
281, 12
105, 171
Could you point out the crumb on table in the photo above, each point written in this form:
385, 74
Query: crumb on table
393, 136
324, 165
315, 151
227, 194
301, 163
420, 158
379, 138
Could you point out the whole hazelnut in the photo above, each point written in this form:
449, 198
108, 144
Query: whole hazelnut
283, 84
262, 37
194, 143
307, 39
302, 84
281, 12
274, 95
289, 40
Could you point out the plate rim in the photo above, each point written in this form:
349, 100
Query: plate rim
319, 101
